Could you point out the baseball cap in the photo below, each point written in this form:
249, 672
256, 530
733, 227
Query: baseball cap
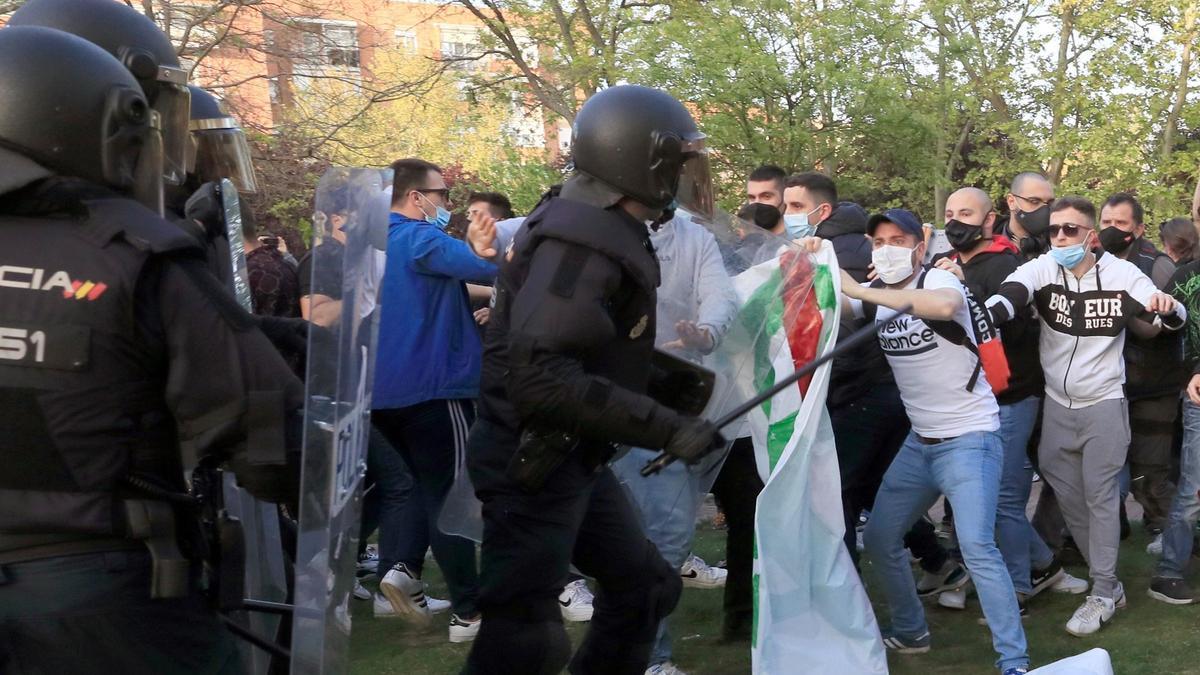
901, 218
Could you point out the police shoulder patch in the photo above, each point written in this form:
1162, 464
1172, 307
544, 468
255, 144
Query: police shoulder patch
639, 327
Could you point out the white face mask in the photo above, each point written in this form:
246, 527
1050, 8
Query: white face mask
893, 264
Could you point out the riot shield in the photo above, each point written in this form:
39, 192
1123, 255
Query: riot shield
265, 576
232, 209
336, 420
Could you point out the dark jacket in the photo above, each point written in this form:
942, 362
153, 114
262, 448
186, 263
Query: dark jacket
859, 370
985, 272
129, 358
569, 344
1152, 366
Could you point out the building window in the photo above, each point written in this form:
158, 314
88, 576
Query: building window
406, 41
526, 127
327, 43
461, 47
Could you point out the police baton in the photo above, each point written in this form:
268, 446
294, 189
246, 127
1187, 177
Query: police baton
856, 338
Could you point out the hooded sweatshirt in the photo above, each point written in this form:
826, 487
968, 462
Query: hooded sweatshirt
1082, 322
695, 286
861, 369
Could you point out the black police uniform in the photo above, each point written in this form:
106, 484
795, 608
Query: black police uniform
569, 348
119, 364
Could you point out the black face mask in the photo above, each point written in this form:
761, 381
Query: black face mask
963, 236
1115, 241
1035, 222
765, 216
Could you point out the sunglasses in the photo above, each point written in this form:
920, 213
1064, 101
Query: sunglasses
444, 192
1067, 229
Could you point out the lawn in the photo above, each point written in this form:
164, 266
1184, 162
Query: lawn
1146, 637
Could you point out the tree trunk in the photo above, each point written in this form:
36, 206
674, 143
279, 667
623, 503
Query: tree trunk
1057, 105
1181, 84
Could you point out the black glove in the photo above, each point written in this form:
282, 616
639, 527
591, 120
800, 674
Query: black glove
694, 439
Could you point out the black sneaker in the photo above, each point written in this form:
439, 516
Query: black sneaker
952, 576
1044, 578
1170, 591
906, 645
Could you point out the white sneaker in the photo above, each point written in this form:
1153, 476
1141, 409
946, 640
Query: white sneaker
697, 574
368, 562
1094, 613
361, 593
463, 631
575, 601
406, 594
437, 605
1155, 547
955, 599
1070, 584
665, 668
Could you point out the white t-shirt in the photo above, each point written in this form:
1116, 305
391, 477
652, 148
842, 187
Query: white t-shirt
932, 372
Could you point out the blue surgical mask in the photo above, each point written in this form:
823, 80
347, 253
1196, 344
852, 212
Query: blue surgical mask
798, 226
1068, 256
440, 217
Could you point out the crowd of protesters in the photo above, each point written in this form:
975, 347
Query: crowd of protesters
1085, 381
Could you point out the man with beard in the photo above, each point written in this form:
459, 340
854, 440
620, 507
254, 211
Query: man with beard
1029, 199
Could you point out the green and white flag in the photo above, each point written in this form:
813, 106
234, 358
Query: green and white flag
811, 612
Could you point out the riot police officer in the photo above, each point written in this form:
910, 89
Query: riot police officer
134, 40
220, 146
121, 361
565, 372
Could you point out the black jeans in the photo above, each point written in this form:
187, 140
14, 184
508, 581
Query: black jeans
868, 432
736, 490
392, 505
580, 516
92, 613
431, 438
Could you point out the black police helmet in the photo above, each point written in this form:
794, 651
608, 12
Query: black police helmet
635, 140
136, 41
71, 107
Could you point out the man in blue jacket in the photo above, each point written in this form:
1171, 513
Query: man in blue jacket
426, 380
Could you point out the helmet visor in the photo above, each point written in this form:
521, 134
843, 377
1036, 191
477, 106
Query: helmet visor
148, 174
224, 153
695, 193
173, 103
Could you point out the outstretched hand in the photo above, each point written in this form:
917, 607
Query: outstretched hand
481, 235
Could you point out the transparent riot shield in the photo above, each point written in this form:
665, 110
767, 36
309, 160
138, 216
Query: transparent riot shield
232, 209
265, 577
345, 269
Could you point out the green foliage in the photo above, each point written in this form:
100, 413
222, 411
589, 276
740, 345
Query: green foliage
899, 102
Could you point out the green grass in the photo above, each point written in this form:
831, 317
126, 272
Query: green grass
1147, 637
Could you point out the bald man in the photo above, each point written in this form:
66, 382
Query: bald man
1029, 199
983, 261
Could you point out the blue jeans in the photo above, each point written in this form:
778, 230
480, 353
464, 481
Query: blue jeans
1019, 543
1185, 508
667, 503
967, 470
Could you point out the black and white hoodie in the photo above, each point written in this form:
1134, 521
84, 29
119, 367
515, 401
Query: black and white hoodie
1082, 322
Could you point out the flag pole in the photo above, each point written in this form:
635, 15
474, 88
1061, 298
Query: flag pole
856, 338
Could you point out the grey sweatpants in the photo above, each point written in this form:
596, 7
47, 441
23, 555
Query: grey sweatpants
1081, 454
